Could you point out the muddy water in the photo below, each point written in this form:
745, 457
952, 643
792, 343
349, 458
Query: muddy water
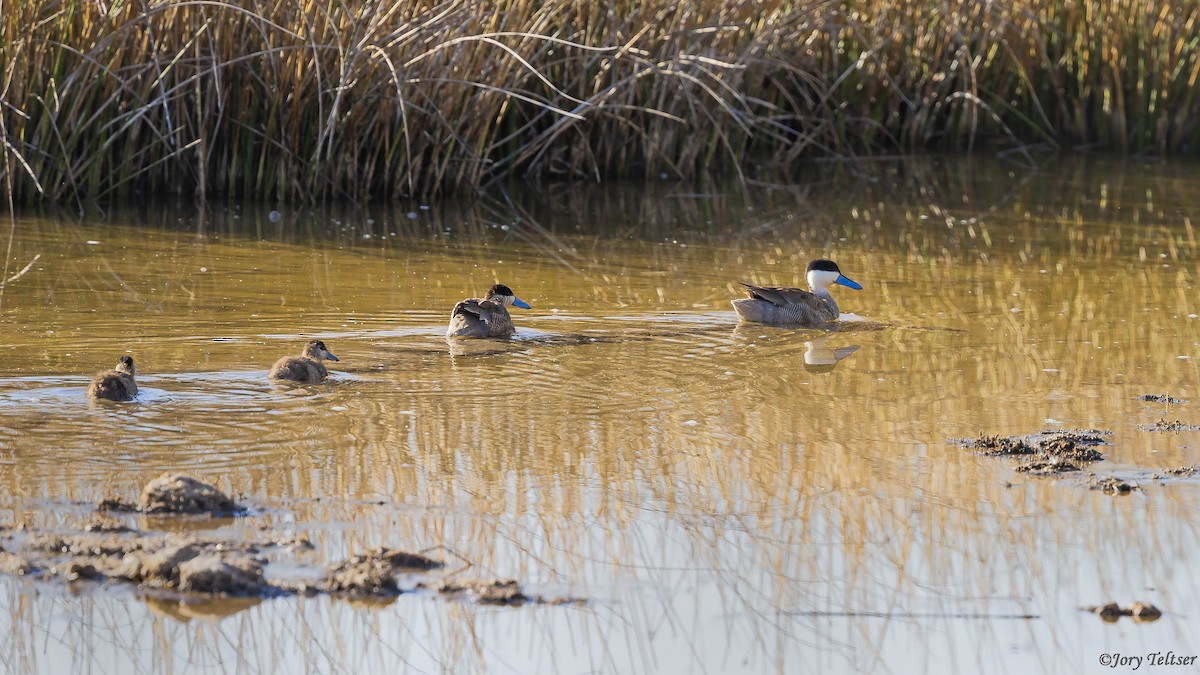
730, 499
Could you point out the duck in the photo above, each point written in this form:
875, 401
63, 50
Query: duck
305, 368
116, 384
485, 317
796, 306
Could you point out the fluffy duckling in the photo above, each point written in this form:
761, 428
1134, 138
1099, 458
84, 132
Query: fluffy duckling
485, 317
116, 384
304, 368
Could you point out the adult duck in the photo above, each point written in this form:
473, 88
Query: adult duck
485, 317
796, 306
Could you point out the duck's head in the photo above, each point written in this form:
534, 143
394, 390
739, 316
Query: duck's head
504, 295
125, 365
822, 274
315, 349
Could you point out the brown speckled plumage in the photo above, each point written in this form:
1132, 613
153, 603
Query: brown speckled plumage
116, 384
305, 368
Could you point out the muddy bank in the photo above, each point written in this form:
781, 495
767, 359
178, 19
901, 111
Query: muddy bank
221, 567
192, 570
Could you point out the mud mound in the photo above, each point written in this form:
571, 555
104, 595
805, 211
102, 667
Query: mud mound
373, 573
1111, 485
223, 575
180, 493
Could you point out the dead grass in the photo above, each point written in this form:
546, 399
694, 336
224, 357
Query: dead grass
314, 100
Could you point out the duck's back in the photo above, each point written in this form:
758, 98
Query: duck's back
298, 369
112, 386
480, 319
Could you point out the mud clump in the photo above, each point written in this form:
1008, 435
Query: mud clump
361, 576
486, 591
1144, 611
106, 525
180, 493
1049, 452
498, 592
1160, 398
1068, 445
160, 567
1071, 449
1000, 446
82, 545
1110, 612
1048, 467
217, 575
405, 560
94, 568
373, 574
116, 505
1185, 471
1141, 612
187, 570
1164, 425
1112, 485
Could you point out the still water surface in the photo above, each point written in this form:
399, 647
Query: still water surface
729, 499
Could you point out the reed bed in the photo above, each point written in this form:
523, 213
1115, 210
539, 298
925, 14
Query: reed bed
358, 99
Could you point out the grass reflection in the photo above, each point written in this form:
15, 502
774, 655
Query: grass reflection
717, 501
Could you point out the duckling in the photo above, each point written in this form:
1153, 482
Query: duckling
304, 368
485, 317
796, 306
116, 384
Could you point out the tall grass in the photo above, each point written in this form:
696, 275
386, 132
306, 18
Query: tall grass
320, 99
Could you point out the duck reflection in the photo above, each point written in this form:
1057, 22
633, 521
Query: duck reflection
819, 357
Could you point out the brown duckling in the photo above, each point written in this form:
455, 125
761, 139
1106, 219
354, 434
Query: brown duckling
116, 384
485, 317
304, 368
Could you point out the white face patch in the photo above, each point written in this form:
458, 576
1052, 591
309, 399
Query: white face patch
822, 279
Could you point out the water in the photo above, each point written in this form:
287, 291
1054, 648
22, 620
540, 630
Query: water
725, 504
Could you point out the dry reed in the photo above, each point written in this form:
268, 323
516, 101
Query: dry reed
332, 99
